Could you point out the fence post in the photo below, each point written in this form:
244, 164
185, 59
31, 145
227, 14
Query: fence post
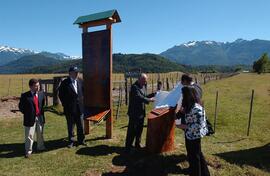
152, 84
215, 120
9, 86
46, 94
56, 84
22, 84
119, 102
167, 83
163, 84
250, 111
126, 90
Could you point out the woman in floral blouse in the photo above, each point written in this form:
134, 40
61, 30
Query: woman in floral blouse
195, 128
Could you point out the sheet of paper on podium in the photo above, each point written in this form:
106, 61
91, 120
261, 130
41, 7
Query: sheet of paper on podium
165, 99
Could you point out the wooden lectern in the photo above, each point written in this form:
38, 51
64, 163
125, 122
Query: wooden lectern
97, 68
160, 130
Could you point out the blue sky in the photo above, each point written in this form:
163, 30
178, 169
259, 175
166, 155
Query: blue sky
148, 26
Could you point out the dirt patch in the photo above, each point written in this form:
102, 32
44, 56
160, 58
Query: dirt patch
9, 107
92, 173
214, 162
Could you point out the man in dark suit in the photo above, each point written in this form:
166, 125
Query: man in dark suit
136, 111
31, 105
186, 80
71, 96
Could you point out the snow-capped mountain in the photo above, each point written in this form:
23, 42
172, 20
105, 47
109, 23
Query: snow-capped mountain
218, 53
60, 56
8, 54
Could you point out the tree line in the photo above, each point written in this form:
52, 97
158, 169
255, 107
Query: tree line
262, 65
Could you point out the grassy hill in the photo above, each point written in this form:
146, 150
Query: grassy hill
229, 152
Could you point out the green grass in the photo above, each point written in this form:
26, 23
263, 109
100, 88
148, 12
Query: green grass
229, 152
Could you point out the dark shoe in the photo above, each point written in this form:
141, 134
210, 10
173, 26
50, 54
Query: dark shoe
138, 146
70, 145
127, 150
186, 171
82, 143
41, 150
27, 155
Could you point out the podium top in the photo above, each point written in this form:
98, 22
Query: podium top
160, 112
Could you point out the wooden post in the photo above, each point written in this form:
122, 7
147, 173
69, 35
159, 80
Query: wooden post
22, 84
9, 86
56, 84
119, 102
215, 121
86, 126
46, 94
109, 121
130, 79
167, 82
250, 111
152, 84
163, 84
126, 90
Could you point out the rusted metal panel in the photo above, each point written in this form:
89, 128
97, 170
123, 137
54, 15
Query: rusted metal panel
97, 69
160, 130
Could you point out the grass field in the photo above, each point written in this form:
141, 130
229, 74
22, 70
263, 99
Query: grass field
229, 152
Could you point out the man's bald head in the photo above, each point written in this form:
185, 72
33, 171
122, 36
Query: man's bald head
143, 79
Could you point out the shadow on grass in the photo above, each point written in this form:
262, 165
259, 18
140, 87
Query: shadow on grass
54, 109
139, 162
258, 157
229, 142
96, 139
17, 149
127, 126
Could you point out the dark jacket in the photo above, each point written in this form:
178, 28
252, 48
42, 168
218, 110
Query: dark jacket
27, 107
69, 98
198, 89
137, 101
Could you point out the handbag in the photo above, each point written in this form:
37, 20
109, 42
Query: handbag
210, 128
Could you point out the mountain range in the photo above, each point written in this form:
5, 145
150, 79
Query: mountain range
218, 53
121, 63
179, 57
9, 54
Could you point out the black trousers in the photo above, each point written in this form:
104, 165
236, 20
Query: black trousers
134, 131
72, 120
197, 163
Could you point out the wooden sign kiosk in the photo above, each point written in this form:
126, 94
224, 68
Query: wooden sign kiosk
97, 68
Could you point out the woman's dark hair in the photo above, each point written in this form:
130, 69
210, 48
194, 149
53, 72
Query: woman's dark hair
189, 98
33, 81
186, 78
